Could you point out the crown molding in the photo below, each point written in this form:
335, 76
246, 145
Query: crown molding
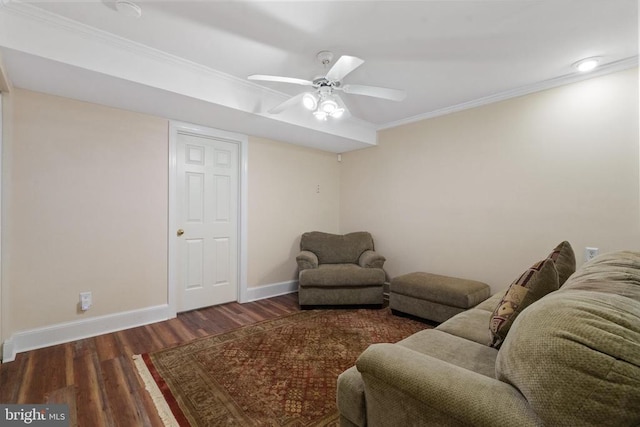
45, 17
605, 69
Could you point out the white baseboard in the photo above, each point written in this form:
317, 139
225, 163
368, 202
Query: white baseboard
80, 329
273, 290
86, 328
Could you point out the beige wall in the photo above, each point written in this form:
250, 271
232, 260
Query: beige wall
284, 202
480, 194
485, 192
86, 210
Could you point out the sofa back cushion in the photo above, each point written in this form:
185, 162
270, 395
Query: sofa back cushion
575, 354
613, 272
336, 248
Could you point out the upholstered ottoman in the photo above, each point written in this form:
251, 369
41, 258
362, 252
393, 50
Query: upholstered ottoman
435, 297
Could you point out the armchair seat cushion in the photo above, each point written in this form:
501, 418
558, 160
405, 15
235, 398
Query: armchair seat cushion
335, 275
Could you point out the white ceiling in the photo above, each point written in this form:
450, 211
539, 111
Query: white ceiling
189, 60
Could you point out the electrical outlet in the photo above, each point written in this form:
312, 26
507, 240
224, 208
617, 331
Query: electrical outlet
590, 253
85, 300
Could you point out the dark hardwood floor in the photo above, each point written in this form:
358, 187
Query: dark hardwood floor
96, 376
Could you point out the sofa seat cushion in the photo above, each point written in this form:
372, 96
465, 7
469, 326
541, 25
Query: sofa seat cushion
470, 325
575, 356
455, 350
490, 303
330, 275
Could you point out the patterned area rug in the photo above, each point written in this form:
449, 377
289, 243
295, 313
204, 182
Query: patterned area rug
276, 373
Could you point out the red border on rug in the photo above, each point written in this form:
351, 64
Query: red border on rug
166, 392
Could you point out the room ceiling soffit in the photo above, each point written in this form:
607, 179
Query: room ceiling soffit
28, 29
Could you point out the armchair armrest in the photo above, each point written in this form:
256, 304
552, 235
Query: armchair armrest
371, 259
306, 260
435, 392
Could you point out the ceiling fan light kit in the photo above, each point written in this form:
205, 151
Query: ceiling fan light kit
324, 102
337, 113
310, 101
328, 106
320, 115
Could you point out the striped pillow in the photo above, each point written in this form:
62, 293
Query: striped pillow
565, 260
537, 281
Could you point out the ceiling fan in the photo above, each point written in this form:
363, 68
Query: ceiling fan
323, 100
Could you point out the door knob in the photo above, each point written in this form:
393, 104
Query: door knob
180, 232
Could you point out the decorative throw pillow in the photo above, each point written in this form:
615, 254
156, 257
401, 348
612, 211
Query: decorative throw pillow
537, 281
565, 260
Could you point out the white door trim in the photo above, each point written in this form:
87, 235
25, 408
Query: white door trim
1, 223
243, 142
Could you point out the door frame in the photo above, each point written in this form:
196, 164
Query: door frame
1, 225
176, 127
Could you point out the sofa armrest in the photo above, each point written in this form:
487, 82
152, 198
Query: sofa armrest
306, 260
435, 392
350, 398
371, 259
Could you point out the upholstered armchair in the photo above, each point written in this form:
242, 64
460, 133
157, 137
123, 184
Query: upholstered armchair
339, 270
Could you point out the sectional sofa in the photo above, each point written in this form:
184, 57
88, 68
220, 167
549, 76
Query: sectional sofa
570, 358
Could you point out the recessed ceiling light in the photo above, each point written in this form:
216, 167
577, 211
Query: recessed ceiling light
128, 8
587, 64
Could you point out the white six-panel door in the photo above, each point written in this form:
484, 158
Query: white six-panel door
207, 218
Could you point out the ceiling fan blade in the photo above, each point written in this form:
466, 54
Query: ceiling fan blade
376, 92
343, 66
287, 104
280, 79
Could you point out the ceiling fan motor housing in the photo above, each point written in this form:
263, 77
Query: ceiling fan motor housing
321, 82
